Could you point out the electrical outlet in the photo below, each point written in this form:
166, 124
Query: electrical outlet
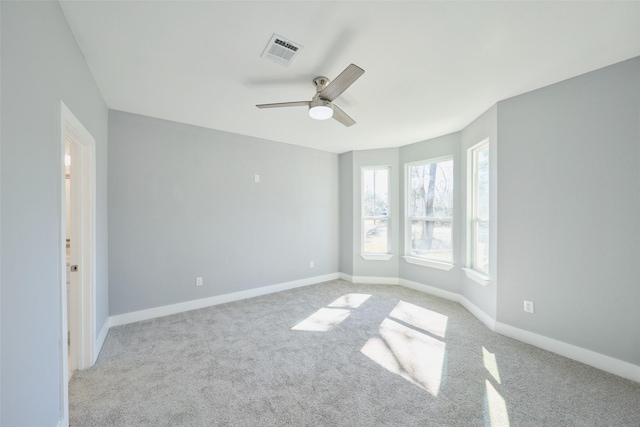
311, 264
528, 306
198, 281
256, 178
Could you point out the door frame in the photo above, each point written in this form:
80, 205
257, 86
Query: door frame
83, 170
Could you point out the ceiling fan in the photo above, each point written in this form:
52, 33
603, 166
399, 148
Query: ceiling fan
321, 107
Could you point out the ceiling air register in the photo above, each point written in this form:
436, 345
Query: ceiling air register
281, 50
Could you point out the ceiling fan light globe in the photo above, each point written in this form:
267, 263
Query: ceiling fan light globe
320, 112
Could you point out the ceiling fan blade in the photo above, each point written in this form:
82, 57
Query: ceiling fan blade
342, 82
342, 117
285, 104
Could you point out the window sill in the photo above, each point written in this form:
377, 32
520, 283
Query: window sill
376, 257
476, 276
428, 263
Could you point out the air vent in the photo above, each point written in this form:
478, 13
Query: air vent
281, 50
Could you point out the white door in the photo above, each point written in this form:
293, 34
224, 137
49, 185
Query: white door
75, 250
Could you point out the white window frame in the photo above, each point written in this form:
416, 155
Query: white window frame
409, 257
473, 220
375, 256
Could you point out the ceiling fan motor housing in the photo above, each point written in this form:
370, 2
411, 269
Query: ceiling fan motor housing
320, 82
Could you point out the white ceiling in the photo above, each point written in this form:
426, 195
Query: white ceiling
431, 67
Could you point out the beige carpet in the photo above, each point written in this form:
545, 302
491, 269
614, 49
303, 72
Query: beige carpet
339, 354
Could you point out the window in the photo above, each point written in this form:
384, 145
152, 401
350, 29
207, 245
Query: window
479, 216
375, 211
430, 211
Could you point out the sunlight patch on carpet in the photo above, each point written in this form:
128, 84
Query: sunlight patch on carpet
489, 360
350, 300
422, 318
322, 320
416, 357
497, 408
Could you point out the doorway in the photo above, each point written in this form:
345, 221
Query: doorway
72, 309
78, 251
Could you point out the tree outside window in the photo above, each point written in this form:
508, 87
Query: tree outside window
430, 209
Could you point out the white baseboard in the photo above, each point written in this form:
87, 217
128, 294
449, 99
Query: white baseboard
372, 280
488, 321
597, 360
589, 357
431, 290
451, 296
152, 313
99, 342
345, 276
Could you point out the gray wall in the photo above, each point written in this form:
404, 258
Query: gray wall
0, 214
346, 213
41, 65
448, 145
183, 203
569, 206
485, 126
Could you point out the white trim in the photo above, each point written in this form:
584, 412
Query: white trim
431, 290
369, 280
152, 313
62, 279
589, 357
345, 276
487, 320
430, 160
597, 360
100, 339
377, 257
476, 276
375, 280
428, 263
472, 205
85, 166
